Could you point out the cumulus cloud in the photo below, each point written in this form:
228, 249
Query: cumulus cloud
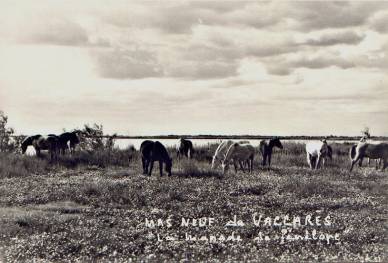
334, 38
280, 70
320, 15
321, 62
56, 32
187, 15
32, 29
379, 21
124, 64
201, 70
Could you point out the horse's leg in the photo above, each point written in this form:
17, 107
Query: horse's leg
161, 168
385, 164
309, 160
241, 166
151, 163
368, 162
357, 159
143, 163
360, 162
38, 152
318, 161
269, 159
264, 158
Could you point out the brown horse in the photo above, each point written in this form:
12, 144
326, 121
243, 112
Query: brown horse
266, 149
39, 142
184, 147
154, 151
68, 141
352, 154
372, 151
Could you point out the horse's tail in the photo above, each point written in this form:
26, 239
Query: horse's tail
352, 152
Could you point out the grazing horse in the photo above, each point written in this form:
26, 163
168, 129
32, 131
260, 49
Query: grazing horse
68, 140
317, 151
372, 151
184, 147
352, 154
239, 153
219, 154
266, 149
154, 151
39, 142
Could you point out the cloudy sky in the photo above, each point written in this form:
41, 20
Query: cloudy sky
181, 67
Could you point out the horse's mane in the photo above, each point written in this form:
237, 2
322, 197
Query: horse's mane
230, 151
163, 149
69, 136
29, 139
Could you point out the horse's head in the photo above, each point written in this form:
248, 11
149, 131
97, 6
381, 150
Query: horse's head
25, 144
169, 166
74, 136
326, 150
278, 143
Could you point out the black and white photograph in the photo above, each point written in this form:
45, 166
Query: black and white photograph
193, 131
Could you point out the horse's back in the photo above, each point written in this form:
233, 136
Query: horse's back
159, 152
376, 151
240, 151
146, 148
314, 147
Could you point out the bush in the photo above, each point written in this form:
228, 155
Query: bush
14, 165
7, 142
102, 158
191, 168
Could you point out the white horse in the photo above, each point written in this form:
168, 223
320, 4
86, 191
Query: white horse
238, 152
316, 152
219, 154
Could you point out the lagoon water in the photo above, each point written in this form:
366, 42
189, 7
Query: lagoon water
125, 143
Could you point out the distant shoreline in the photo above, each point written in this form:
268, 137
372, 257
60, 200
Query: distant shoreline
238, 137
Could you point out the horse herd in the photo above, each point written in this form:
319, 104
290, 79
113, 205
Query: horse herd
238, 153
241, 154
55, 144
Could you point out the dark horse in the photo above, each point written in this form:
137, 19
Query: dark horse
266, 149
39, 142
184, 147
154, 151
71, 138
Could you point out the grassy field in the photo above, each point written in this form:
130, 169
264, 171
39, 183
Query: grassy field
93, 207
